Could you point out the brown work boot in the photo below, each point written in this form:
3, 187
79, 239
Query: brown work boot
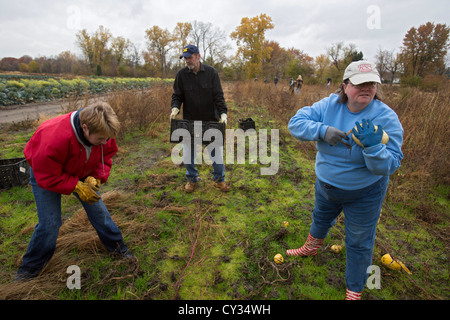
222, 186
189, 187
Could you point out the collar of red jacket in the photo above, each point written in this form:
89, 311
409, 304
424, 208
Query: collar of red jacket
79, 130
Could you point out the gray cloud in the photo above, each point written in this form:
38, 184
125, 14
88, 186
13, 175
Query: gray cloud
49, 27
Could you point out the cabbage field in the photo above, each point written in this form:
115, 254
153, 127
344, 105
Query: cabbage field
25, 89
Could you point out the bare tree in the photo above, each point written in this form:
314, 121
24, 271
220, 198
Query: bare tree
335, 52
209, 40
388, 64
381, 62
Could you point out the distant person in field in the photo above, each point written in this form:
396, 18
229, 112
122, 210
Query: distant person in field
328, 83
291, 85
69, 154
352, 168
298, 84
198, 89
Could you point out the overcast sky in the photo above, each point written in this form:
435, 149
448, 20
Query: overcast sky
46, 28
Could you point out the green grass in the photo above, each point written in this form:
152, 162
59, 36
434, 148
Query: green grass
213, 245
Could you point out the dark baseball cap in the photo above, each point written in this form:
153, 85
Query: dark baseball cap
189, 50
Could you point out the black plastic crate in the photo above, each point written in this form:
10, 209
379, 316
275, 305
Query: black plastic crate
14, 172
246, 124
189, 125
179, 124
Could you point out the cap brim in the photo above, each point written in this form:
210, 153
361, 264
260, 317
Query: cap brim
361, 78
185, 55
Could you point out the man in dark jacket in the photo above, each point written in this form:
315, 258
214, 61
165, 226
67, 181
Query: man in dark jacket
197, 87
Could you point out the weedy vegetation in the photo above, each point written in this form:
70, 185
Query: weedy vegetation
213, 245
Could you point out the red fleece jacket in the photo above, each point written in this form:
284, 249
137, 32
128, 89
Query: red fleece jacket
59, 160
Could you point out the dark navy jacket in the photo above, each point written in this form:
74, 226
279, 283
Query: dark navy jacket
200, 94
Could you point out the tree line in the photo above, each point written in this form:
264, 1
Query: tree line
422, 54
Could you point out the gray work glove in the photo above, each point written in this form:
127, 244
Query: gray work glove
333, 136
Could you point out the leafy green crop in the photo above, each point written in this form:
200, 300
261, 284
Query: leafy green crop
22, 90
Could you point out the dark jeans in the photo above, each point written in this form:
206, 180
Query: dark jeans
43, 241
362, 210
216, 156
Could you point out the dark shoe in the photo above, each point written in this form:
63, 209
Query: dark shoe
24, 276
126, 255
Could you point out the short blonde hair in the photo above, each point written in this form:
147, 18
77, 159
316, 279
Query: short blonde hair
100, 118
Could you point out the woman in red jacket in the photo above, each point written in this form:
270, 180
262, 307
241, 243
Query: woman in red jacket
68, 154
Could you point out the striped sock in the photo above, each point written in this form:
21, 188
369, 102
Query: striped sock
308, 249
351, 295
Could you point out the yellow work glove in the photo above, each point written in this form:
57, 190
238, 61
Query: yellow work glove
86, 193
93, 183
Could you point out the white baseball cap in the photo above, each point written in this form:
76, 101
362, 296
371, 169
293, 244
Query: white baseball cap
361, 71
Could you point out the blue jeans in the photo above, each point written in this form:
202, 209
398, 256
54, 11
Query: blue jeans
362, 210
43, 241
189, 155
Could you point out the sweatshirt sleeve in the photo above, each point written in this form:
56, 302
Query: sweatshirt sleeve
307, 124
385, 159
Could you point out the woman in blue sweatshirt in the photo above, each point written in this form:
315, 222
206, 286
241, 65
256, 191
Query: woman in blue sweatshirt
352, 174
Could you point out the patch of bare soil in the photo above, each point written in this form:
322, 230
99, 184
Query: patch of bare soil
33, 111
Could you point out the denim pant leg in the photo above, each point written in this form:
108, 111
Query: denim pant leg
361, 218
218, 166
107, 230
362, 210
43, 241
189, 153
325, 212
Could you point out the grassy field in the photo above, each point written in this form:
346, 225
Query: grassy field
214, 246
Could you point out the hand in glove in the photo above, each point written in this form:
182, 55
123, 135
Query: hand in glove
223, 118
174, 113
333, 136
93, 183
86, 193
366, 133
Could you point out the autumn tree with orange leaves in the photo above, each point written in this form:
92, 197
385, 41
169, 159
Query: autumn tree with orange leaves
249, 37
424, 49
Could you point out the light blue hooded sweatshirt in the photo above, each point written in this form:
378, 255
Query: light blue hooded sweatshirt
339, 166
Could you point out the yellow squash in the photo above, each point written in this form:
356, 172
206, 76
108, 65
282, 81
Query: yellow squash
336, 248
278, 259
393, 264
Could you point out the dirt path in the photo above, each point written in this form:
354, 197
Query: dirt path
32, 111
